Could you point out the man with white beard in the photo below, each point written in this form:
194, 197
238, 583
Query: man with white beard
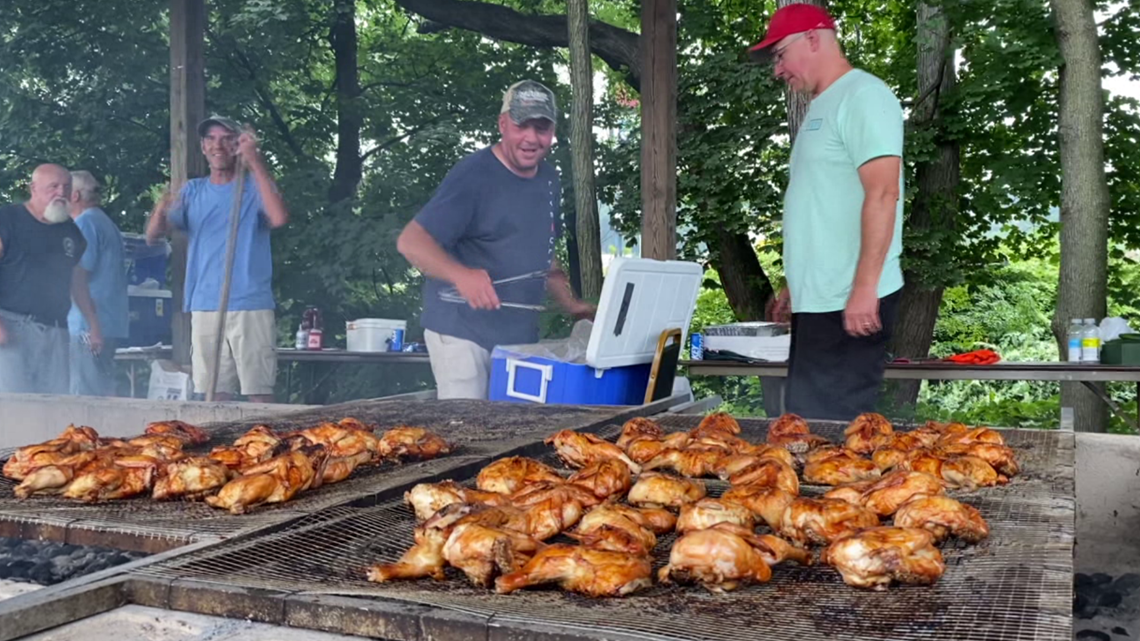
40, 248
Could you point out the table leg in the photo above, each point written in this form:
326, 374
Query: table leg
1134, 421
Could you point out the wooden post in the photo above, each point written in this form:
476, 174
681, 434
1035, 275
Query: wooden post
187, 109
659, 129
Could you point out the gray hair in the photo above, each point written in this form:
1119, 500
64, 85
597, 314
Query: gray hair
85, 185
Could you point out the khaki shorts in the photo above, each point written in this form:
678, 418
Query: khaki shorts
462, 368
249, 355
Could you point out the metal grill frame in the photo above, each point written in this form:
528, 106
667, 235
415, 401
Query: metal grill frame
1025, 592
144, 525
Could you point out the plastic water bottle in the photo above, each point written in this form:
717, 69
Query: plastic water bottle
1076, 335
301, 341
1090, 342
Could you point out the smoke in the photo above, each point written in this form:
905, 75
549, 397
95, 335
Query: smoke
56, 212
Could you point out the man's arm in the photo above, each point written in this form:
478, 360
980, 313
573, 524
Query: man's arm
157, 224
81, 294
880, 179
421, 250
275, 211
558, 284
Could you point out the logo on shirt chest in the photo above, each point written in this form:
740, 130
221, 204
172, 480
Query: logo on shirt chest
69, 247
814, 124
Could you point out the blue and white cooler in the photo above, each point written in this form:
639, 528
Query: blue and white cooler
606, 362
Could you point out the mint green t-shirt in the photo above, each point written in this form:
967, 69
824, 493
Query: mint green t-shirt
856, 119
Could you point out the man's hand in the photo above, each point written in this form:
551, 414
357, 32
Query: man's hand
95, 340
475, 287
779, 308
581, 310
861, 317
247, 147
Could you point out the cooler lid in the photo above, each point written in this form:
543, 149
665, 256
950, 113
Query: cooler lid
640, 299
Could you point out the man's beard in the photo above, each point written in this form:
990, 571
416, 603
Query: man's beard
56, 212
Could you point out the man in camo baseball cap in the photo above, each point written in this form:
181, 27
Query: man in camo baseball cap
526, 100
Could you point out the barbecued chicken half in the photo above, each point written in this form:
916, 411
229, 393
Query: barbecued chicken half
868, 432
654, 489
54, 478
768, 472
1000, 457
964, 472
509, 475
26, 459
578, 449
483, 552
639, 427
185, 432
415, 443
252, 448
885, 495
690, 462
125, 477
767, 503
791, 431
821, 521
190, 478
588, 571
428, 498
715, 424
943, 516
837, 466
274, 481
621, 528
707, 512
877, 556
605, 479
726, 556
642, 449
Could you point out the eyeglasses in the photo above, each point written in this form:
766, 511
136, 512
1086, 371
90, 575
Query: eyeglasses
778, 54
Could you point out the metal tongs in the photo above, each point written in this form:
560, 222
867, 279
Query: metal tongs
451, 294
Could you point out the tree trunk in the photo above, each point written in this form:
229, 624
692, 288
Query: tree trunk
659, 129
936, 200
797, 103
616, 46
745, 283
1082, 290
582, 150
349, 164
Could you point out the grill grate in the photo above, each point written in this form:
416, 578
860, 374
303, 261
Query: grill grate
471, 425
1015, 585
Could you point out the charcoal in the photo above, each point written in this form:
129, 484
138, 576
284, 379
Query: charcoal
1120, 631
1093, 634
18, 569
1100, 578
1110, 599
1126, 583
1082, 580
42, 573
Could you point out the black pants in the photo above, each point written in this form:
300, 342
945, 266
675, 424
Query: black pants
831, 374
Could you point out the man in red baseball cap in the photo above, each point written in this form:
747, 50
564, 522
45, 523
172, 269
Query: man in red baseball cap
842, 219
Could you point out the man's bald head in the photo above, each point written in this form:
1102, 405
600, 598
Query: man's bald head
51, 183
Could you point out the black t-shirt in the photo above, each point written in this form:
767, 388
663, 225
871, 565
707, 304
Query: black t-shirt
36, 265
487, 217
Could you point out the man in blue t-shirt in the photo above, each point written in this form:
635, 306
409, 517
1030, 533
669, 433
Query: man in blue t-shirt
495, 216
202, 209
842, 220
92, 372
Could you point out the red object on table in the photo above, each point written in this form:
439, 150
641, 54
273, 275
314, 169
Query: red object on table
976, 357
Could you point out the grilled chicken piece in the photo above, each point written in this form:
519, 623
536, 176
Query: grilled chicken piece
821, 521
639, 427
163, 447
877, 556
252, 448
618, 528
943, 516
690, 462
768, 472
550, 516
190, 478
654, 489
509, 475
838, 467
275, 481
54, 479
604, 479
338, 468
791, 432
768, 503
868, 432
910, 440
889, 458
340, 440
965, 472
726, 556
1000, 457
595, 573
351, 423
26, 459
184, 432
425, 557
714, 424
483, 552
128, 476
538, 492
642, 449
884, 496
578, 449
428, 498
976, 435
413, 443
707, 512
933, 431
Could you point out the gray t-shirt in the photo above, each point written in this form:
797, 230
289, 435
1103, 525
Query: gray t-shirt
487, 217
